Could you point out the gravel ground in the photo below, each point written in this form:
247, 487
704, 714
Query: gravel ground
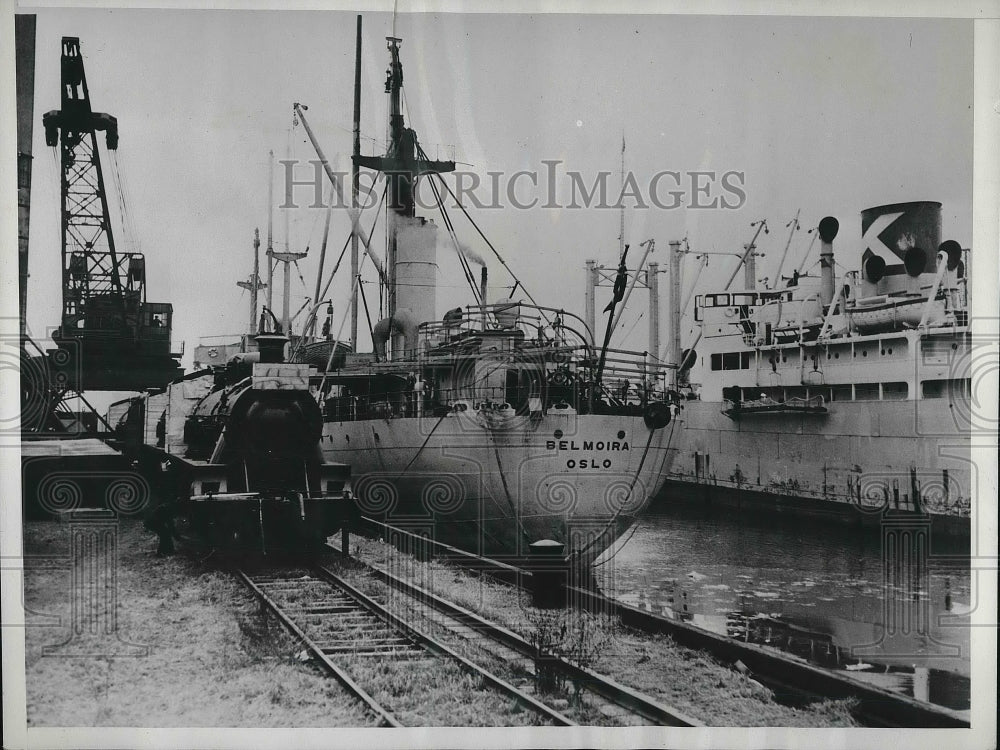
212, 660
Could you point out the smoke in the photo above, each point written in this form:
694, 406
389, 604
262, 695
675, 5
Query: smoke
470, 254
421, 237
449, 245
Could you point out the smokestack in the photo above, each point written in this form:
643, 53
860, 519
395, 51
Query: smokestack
482, 285
828, 228
416, 276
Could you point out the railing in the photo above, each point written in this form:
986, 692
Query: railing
558, 342
626, 397
401, 404
530, 320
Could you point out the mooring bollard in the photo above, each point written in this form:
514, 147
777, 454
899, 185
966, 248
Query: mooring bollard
345, 529
548, 574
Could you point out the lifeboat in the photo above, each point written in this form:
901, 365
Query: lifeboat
886, 313
765, 405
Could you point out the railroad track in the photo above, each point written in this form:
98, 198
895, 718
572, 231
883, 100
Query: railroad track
609, 696
357, 641
792, 678
337, 622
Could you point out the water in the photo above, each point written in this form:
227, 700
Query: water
818, 590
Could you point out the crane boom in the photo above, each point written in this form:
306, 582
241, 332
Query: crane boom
115, 339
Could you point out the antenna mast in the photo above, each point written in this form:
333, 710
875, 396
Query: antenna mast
621, 225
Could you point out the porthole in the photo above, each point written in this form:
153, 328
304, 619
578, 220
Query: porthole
557, 434
882, 352
890, 350
864, 353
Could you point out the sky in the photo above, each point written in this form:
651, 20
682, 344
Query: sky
819, 115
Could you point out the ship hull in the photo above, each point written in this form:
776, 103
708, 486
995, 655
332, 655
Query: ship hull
494, 485
854, 463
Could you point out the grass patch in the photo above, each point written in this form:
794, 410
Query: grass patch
419, 690
212, 658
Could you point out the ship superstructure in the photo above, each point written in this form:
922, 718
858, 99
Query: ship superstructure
832, 394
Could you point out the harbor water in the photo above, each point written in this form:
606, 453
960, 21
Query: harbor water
847, 598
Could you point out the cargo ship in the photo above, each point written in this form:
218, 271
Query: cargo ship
837, 396
492, 429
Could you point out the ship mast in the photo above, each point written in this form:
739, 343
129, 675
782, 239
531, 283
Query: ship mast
402, 167
354, 183
254, 284
270, 230
287, 258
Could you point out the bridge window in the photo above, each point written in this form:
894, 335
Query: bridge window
732, 361
895, 391
960, 387
840, 393
866, 392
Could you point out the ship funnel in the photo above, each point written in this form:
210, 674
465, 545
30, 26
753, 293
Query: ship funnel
416, 271
828, 228
954, 252
906, 236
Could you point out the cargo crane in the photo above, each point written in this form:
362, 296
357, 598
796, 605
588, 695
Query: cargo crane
110, 337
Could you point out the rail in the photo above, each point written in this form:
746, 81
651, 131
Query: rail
389, 636
789, 675
322, 658
623, 397
440, 649
612, 691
